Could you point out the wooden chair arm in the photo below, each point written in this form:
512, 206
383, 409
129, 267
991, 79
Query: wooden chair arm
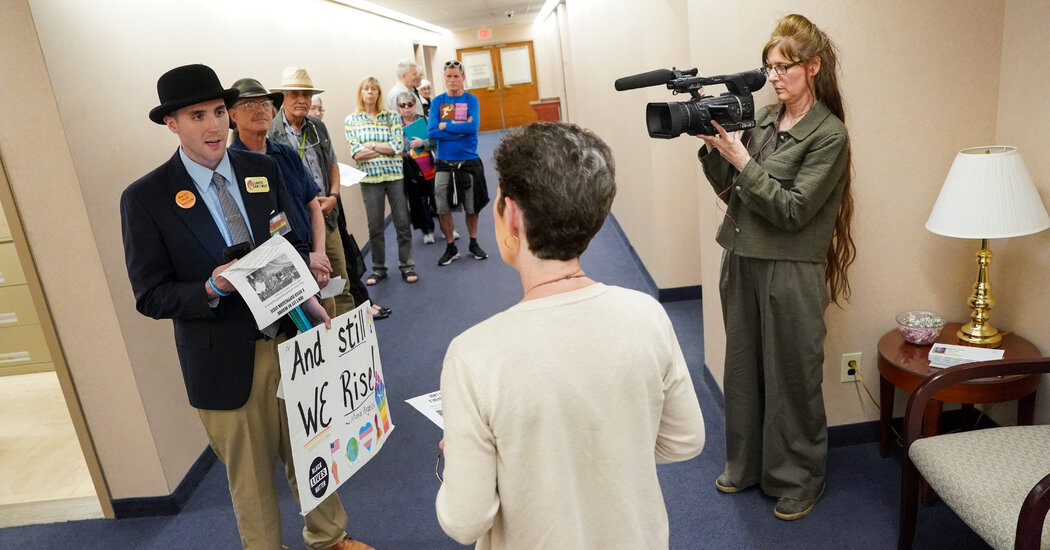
961, 373
1033, 514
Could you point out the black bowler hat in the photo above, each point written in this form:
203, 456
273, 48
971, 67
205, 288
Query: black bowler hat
188, 85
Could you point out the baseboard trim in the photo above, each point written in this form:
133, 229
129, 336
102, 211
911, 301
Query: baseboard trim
169, 505
680, 294
846, 435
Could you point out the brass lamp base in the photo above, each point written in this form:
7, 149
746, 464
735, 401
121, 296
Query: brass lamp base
983, 337
979, 332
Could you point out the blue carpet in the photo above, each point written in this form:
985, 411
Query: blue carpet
391, 500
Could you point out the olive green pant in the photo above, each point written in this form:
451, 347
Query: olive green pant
333, 248
776, 428
249, 440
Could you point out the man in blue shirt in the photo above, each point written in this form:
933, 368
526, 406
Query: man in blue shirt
460, 178
250, 117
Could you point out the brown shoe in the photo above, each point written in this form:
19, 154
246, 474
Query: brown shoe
349, 544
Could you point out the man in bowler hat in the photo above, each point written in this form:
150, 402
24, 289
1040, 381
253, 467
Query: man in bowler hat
180, 223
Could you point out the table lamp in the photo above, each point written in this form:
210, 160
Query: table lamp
988, 194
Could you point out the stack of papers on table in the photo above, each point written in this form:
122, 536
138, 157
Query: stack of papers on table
949, 355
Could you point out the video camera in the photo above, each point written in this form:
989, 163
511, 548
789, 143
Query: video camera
734, 109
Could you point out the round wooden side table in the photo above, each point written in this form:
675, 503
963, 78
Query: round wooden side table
905, 366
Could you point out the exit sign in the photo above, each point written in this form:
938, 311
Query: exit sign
484, 34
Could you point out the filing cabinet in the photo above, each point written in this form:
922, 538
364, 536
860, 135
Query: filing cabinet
23, 348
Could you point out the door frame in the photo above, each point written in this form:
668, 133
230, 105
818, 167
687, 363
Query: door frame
47, 326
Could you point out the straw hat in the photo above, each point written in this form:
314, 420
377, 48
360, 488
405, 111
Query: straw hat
296, 78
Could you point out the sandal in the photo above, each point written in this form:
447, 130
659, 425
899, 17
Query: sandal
374, 278
379, 312
409, 276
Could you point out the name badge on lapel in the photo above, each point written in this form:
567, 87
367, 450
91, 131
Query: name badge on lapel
257, 185
279, 224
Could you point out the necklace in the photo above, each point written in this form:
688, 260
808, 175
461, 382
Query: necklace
793, 119
574, 275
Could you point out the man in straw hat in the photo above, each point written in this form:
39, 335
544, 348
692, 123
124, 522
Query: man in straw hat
306, 134
179, 223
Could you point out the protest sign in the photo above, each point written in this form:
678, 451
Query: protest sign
335, 397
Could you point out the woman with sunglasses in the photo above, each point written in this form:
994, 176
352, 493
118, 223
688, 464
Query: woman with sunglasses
419, 170
376, 138
787, 246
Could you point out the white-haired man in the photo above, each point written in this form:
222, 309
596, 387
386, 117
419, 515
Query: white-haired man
407, 79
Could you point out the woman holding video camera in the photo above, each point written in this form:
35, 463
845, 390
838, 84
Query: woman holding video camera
787, 246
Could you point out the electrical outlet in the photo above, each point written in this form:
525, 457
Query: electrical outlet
848, 358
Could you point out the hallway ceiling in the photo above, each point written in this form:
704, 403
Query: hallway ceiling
457, 15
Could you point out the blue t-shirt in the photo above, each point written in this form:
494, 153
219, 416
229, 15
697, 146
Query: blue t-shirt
297, 181
459, 139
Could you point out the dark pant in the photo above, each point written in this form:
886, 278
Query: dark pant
776, 428
375, 196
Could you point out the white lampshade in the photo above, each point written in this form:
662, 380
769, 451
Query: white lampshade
988, 194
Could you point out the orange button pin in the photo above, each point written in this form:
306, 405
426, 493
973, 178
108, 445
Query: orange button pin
185, 199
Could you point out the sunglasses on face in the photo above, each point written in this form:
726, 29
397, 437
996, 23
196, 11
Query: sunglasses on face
406, 105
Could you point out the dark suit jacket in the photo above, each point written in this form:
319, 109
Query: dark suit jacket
171, 251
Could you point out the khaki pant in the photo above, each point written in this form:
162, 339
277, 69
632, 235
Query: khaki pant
776, 428
333, 248
249, 440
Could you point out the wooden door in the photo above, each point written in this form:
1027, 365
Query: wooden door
503, 77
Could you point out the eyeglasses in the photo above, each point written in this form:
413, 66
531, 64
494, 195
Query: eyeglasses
406, 105
253, 105
779, 69
454, 63
437, 469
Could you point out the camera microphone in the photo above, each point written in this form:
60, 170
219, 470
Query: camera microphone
644, 80
754, 80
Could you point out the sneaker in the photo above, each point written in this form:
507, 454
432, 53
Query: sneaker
455, 235
451, 254
793, 508
428, 238
723, 484
478, 253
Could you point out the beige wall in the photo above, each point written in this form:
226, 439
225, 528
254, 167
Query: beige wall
49, 198
657, 196
1020, 265
920, 80
89, 83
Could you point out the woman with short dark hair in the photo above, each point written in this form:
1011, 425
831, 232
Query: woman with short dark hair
558, 409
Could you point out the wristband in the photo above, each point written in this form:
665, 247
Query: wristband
216, 289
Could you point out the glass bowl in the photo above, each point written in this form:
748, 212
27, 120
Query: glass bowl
920, 327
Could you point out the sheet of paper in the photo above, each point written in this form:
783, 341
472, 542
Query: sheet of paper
430, 405
272, 279
333, 288
349, 176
